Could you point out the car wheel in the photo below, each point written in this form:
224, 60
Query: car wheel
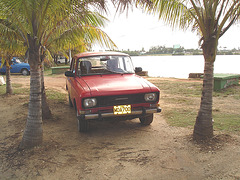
147, 119
69, 101
83, 125
25, 72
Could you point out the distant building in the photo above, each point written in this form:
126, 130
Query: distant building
178, 50
176, 46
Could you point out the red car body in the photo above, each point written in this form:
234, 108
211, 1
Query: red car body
99, 93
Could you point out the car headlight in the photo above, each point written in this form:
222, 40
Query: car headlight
150, 97
90, 102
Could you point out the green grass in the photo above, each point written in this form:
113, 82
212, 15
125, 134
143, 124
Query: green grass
2, 89
17, 89
55, 95
233, 91
227, 122
47, 71
180, 101
180, 88
180, 118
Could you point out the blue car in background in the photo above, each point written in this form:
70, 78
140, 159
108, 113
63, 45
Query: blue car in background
17, 67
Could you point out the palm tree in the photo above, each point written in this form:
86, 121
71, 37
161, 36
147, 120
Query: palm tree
7, 62
11, 44
9, 48
60, 37
211, 19
38, 21
33, 19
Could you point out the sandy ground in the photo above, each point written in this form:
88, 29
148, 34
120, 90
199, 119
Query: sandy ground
111, 150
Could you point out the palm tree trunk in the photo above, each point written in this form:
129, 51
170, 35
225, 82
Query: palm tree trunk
33, 134
33, 131
46, 112
9, 89
203, 128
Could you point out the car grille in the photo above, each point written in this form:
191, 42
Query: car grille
104, 101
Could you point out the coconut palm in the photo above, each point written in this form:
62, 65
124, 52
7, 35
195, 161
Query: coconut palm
79, 34
211, 19
8, 49
6, 61
10, 44
38, 21
59, 38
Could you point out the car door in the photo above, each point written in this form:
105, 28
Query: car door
70, 80
15, 68
3, 69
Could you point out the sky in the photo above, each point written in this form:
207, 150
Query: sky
138, 30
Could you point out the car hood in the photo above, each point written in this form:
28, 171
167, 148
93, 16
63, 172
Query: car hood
114, 84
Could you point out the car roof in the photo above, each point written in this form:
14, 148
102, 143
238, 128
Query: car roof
105, 53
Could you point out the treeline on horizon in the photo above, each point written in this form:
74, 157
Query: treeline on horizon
162, 50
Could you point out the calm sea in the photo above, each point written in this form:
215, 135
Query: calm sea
181, 66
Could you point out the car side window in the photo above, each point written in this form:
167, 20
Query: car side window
78, 69
72, 66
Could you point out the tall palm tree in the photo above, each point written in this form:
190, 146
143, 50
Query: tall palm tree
211, 19
37, 22
79, 34
8, 49
6, 61
59, 37
10, 44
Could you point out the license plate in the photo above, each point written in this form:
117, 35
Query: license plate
122, 109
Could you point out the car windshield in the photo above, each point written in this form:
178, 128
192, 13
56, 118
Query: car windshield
18, 61
105, 65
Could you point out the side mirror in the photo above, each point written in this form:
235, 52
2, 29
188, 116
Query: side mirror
138, 69
69, 74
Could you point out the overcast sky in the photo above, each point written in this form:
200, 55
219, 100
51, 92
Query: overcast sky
139, 30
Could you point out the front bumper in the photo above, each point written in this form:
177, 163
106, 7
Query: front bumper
100, 115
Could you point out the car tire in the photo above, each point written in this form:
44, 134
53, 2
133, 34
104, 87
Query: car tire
25, 72
69, 101
83, 125
147, 119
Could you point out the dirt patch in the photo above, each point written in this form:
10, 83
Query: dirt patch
111, 150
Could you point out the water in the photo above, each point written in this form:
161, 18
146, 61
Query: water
181, 66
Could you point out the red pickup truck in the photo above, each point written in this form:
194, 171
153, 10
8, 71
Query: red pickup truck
104, 85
